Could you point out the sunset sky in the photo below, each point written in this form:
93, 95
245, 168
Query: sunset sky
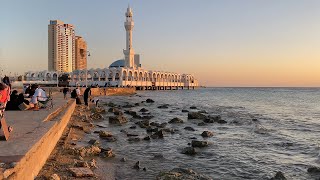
223, 43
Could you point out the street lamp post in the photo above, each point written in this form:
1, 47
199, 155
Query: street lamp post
88, 53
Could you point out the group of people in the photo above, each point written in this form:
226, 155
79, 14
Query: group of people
76, 94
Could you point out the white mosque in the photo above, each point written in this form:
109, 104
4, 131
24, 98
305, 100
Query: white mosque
121, 73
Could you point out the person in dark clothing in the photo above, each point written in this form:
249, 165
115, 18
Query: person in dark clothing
65, 91
21, 99
6, 80
86, 95
28, 89
74, 95
13, 103
32, 90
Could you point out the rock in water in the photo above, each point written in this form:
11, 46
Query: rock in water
81, 172
123, 159
134, 139
157, 135
188, 128
279, 176
221, 121
199, 144
193, 107
143, 110
107, 153
181, 174
207, 134
184, 110
137, 165
117, 120
149, 101
189, 151
104, 134
93, 142
176, 120
313, 170
164, 106
147, 138
196, 115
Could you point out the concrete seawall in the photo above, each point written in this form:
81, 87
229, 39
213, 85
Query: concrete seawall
110, 91
35, 136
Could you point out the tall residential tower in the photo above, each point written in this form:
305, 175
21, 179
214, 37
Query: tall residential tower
81, 53
61, 46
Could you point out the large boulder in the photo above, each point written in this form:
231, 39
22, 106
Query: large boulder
207, 134
176, 120
196, 115
181, 174
199, 144
117, 119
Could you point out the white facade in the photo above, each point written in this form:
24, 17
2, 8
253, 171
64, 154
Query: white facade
131, 74
61, 46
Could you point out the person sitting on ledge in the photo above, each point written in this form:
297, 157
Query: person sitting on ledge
38, 96
13, 103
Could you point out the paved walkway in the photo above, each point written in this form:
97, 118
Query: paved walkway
29, 128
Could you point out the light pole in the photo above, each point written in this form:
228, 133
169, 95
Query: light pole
88, 53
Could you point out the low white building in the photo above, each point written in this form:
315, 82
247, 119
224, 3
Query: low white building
121, 73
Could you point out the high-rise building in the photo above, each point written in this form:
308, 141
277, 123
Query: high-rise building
81, 53
61, 46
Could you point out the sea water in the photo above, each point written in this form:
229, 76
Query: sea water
284, 137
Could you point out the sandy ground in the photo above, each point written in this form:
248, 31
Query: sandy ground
64, 155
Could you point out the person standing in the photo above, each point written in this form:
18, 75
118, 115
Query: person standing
65, 91
86, 95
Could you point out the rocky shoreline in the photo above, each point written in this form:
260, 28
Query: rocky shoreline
75, 158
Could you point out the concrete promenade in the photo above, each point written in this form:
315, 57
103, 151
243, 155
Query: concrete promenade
34, 136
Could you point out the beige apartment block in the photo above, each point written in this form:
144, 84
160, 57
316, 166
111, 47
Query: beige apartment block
61, 46
81, 54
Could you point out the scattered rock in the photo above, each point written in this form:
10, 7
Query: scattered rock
110, 139
199, 144
196, 115
193, 107
81, 164
123, 159
137, 165
162, 125
201, 124
143, 110
143, 124
144, 169
149, 101
188, 128
215, 117
208, 120
254, 120
176, 120
130, 135
117, 120
93, 142
93, 163
137, 104
81, 172
314, 169
221, 121
189, 151
148, 117
169, 130
96, 116
54, 177
150, 129
105, 134
133, 127
279, 176
207, 134
88, 151
157, 135
118, 113
99, 110
128, 106
193, 138
184, 110
181, 174
132, 113
147, 138
134, 139
107, 153
158, 156
164, 106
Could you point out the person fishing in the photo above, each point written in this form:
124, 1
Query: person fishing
86, 95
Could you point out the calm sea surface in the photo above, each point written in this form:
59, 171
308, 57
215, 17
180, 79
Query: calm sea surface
285, 137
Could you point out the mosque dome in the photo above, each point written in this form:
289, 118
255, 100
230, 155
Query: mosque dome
117, 63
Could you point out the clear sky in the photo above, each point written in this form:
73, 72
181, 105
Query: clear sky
221, 42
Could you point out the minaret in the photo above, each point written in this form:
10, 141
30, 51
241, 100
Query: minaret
129, 52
